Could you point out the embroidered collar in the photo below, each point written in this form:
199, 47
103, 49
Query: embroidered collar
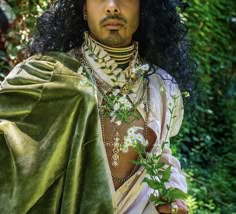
106, 68
122, 55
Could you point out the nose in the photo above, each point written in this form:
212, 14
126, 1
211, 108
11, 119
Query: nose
112, 8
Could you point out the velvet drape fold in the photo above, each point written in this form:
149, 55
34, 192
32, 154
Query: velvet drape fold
52, 158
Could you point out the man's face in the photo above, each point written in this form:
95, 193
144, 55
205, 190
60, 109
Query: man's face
112, 22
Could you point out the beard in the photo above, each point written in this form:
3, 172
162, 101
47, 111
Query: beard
114, 39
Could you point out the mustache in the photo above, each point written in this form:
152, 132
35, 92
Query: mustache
117, 17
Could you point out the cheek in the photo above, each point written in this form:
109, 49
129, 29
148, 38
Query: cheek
134, 22
134, 17
93, 23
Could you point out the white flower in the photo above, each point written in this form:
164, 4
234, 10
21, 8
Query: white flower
125, 149
122, 100
116, 106
118, 123
139, 137
145, 67
113, 118
132, 138
131, 131
116, 92
127, 141
112, 113
127, 104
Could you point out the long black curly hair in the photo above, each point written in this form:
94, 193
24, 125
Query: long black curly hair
161, 34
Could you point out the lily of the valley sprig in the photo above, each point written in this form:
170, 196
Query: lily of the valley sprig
158, 172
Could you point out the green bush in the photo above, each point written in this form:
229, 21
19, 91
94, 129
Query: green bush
20, 32
207, 138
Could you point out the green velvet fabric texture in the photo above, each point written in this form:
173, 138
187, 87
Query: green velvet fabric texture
51, 155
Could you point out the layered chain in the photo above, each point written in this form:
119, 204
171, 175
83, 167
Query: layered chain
117, 141
116, 149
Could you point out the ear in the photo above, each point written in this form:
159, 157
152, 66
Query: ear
85, 14
85, 8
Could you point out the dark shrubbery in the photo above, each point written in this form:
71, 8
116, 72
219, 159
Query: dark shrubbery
207, 139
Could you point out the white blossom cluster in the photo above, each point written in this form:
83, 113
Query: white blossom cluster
133, 139
120, 103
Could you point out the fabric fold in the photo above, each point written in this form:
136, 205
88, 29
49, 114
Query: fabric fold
50, 146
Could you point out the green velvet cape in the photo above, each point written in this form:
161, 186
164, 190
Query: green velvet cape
51, 154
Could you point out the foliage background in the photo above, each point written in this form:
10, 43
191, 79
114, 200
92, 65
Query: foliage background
207, 140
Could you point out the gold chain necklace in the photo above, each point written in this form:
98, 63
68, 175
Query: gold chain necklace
116, 144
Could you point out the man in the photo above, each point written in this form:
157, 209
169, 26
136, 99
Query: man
57, 108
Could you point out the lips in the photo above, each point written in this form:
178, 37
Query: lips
113, 24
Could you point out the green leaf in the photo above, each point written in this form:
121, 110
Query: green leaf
136, 162
163, 144
153, 184
170, 110
153, 198
166, 174
159, 165
157, 200
174, 194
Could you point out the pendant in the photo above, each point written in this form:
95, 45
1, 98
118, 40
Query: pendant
115, 152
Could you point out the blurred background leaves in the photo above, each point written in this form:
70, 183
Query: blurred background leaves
207, 140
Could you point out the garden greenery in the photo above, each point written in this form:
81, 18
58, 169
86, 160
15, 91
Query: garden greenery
207, 138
